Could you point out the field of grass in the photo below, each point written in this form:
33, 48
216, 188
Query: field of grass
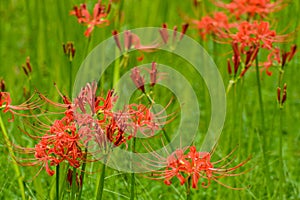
254, 126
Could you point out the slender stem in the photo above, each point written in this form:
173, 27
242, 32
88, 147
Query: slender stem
101, 180
261, 106
73, 190
132, 186
87, 46
82, 174
15, 165
261, 130
57, 182
281, 176
188, 189
70, 79
116, 74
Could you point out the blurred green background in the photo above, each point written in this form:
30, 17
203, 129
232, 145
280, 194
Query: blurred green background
39, 28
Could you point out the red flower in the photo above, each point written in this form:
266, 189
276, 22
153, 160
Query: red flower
257, 34
217, 25
196, 165
97, 18
251, 7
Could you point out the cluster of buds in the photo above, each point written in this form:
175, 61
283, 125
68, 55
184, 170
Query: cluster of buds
27, 67
165, 35
139, 80
69, 50
281, 99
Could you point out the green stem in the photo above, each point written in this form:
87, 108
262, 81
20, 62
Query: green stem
82, 174
73, 190
188, 189
261, 130
101, 180
116, 74
132, 188
70, 79
57, 182
87, 46
261, 106
281, 176
15, 165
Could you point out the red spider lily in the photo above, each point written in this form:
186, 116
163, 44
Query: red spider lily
165, 36
142, 119
251, 8
257, 34
217, 25
196, 165
60, 142
96, 19
31, 104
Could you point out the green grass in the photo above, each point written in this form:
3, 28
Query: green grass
39, 28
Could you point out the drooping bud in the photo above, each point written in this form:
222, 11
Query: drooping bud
28, 65
2, 85
127, 40
137, 79
117, 40
278, 94
69, 50
284, 94
153, 74
25, 70
292, 52
164, 33
183, 31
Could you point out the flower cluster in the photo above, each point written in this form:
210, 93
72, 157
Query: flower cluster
251, 8
247, 34
88, 119
194, 165
98, 18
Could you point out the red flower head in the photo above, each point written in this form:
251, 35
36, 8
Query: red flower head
257, 34
216, 25
251, 8
196, 165
97, 18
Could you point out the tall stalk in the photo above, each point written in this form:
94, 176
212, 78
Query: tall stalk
101, 180
261, 129
15, 165
188, 189
132, 185
57, 182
